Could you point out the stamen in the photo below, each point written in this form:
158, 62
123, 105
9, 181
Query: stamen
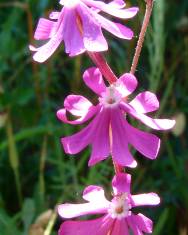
119, 207
119, 210
111, 97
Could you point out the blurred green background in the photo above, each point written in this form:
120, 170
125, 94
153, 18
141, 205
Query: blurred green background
35, 174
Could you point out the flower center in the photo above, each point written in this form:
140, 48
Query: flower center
119, 210
111, 97
119, 207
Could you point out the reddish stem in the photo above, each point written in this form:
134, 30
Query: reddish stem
102, 64
149, 7
118, 168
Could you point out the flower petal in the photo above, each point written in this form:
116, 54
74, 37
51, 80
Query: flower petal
74, 210
150, 199
120, 227
120, 13
116, 29
93, 79
32, 48
62, 2
45, 51
145, 102
117, 3
94, 193
146, 143
61, 114
44, 29
77, 105
120, 150
121, 183
126, 84
140, 223
54, 15
157, 124
92, 35
144, 223
98, 226
75, 143
100, 139
72, 36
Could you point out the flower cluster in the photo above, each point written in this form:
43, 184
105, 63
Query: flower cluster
79, 25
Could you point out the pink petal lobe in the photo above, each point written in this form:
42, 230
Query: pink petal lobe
140, 223
44, 29
150, 199
54, 15
145, 102
99, 226
62, 2
121, 183
126, 84
32, 48
92, 35
146, 143
119, 149
144, 223
93, 79
61, 114
100, 139
77, 142
77, 105
94, 193
72, 37
45, 51
74, 210
116, 29
120, 227
121, 13
114, 11
157, 124
117, 3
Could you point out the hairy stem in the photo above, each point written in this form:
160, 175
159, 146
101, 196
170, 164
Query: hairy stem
149, 7
102, 64
118, 168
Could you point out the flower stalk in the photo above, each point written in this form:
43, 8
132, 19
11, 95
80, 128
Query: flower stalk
103, 66
149, 8
118, 168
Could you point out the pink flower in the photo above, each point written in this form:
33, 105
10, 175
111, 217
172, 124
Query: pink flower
109, 132
118, 218
79, 26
